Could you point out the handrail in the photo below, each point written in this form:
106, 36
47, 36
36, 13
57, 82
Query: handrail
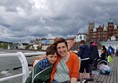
22, 57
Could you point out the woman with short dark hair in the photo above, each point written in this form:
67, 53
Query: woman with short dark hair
66, 68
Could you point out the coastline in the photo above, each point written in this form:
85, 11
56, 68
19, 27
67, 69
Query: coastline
14, 51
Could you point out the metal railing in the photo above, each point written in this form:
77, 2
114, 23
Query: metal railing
22, 57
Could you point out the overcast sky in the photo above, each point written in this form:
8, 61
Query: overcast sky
25, 20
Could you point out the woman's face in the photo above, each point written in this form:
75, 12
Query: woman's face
102, 51
62, 49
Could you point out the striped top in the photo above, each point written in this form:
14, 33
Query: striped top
62, 73
72, 64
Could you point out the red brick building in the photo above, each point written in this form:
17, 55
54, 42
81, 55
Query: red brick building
102, 33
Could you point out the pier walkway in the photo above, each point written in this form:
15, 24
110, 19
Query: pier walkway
109, 78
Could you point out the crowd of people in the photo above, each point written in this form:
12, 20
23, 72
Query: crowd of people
63, 66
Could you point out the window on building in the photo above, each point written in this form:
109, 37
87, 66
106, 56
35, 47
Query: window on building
80, 37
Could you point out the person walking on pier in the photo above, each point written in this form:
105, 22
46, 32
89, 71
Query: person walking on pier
84, 54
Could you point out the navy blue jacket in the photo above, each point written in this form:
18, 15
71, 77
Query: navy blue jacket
94, 52
84, 52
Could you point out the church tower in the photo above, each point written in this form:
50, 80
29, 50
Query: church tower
90, 30
110, 29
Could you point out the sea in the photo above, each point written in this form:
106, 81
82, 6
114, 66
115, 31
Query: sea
8, 64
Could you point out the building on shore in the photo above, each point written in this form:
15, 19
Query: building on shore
80, 36
102, 33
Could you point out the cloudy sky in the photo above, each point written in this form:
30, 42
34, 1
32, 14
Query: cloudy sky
25, 20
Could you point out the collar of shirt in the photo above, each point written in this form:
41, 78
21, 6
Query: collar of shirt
44, 63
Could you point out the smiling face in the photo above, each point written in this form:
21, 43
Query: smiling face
51, 54
52, 58
62, 49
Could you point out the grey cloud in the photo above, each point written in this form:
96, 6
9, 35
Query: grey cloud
5, 25
12, 5
22, 20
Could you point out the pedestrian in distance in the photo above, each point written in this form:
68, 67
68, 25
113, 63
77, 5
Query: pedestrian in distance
111, 50
84, 54
94, 54
94, 50
104, 53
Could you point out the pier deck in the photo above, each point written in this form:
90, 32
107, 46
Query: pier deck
109, 78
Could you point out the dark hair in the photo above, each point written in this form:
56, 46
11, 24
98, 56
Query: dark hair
60, 40
51, 50
104, 48
82, 42
91, 42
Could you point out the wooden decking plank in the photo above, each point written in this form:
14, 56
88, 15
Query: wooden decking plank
115, 72
111, 78
111, 65
100, 77
116, 69
106, 79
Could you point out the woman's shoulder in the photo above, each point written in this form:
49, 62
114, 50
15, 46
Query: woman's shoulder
73, 55
73, 58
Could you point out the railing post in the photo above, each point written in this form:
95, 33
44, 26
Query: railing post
24, 63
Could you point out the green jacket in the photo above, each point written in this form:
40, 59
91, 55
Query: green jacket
37, 76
